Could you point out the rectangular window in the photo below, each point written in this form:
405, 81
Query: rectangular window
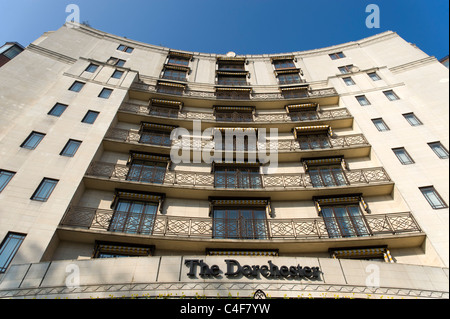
433, 198
155, 137
105, 93
363, 101
58, 109
439, 149
134, 217
239, 222
76, 86
412, 119
125, 48
374, 76
5, 177
147, 171
117, 74
344, 221
348, 81
327, 176
91, 68
289, 78
380, 125
314, 141
237, 177
8, 249
44, 190
116, 61
177, 75
403, 156
71, 148
232, 80
90, 117
391, 95
33, 140
336, 56
284, 64
346, 69
176, 60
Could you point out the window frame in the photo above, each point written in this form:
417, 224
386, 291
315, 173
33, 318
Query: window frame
86, 116
361, 98
123, 219
26, 142
69, 146
348, 81
374, 78
327, 176
337, 55
91, 65
346, 226
391, 95
240, 226
55, 107
9, 175
441, 203
108, 93
445, 154
345, 69
139, 170
384, 127
116, 72
412, 116
10, 252
125, 48
75, 85
237, 177
46, 182
409, 160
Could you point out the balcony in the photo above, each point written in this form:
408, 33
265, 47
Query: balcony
394, 229
297, 186
341, 117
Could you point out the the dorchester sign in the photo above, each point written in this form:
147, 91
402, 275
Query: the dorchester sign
235, 269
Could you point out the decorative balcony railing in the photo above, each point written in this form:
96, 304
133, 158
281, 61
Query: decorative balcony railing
312, 93
268, 229
343, 141
271, 181
258, 118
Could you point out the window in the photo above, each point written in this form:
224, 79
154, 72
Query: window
433, 198
241, 222
147, 171
344, 221
177, 60
439, 149
125, 48
44, 190
76, 86
284, 64
363, 101
116, 61
57, 110
336, 56
346, 69
117, 74
134, 217
348, 81
90, 117
403, 156
33, 140
154, 137
71, 148
91, 68
412, 119
232, 80
289, 78
177, 75
237, 177
5, 177
8, 249
105, 93
380, 125
12, 52
327, 176
374, 76
314, 141
391, 95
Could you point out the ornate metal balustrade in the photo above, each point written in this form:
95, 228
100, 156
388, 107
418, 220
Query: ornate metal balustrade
344, 141
312, 93
280, 181
198, 227
258, 118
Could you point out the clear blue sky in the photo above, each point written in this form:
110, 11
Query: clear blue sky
242, 26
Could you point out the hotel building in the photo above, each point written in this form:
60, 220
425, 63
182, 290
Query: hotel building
128, 169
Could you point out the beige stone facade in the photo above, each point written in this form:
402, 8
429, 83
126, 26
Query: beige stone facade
334, 194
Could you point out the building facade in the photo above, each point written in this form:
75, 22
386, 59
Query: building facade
315, 173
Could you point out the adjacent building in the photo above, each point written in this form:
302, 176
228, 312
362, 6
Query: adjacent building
133, 169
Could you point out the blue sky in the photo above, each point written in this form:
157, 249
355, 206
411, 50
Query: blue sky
242, 26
